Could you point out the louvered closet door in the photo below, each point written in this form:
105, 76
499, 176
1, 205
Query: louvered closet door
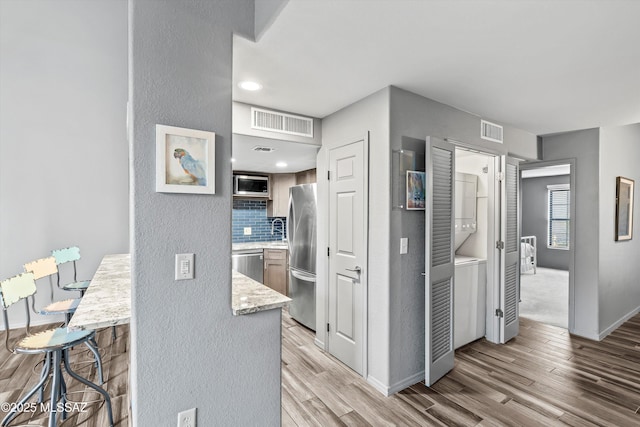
439, 259
510, 255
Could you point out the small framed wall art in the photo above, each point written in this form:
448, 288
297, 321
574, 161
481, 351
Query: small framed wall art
416, 183
185, 160
624, 208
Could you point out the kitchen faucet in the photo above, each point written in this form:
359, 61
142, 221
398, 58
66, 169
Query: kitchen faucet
281, 229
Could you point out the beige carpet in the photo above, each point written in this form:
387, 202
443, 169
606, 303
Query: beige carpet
544, 296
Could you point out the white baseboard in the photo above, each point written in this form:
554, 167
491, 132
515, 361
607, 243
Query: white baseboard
378, 385
319, 343
396, 387
617, 324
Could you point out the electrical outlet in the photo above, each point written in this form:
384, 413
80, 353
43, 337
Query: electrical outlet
187, 418
247, 231
184, 266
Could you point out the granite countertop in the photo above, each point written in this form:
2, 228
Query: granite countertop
275, 244
107, 301
249, 296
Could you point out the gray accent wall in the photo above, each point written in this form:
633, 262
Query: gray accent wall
369, 115
584, 147
619, 273
398, 119
414, 116
188, 350
535, 219
64, 173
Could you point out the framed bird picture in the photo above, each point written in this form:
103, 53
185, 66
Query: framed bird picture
185, 160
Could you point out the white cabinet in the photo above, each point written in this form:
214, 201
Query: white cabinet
470, 305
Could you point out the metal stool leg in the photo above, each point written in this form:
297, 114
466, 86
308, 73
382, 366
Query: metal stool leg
96, 355
55, 388
97, 388
7, 419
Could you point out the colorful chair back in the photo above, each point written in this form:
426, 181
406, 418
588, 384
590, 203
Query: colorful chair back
16, 288
66, 254
42, 267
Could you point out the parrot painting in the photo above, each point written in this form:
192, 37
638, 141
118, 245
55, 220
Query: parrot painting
192, 167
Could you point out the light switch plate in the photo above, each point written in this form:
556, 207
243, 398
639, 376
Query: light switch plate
247, 231
404, 245
184, 266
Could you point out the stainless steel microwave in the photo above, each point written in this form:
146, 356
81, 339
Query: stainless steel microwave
251, 185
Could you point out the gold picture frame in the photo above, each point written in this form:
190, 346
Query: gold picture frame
624, 209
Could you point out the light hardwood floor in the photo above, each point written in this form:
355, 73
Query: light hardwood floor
17, 375
543, 377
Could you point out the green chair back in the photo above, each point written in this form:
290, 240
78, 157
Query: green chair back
16, 288
66, 254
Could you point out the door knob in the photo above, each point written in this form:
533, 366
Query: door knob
355, 270
423, 274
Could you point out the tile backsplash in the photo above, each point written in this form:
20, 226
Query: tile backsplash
253, 213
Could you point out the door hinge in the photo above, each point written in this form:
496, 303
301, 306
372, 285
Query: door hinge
327, 327
499, 313
500, 245
329, 175
328, 251
500, 176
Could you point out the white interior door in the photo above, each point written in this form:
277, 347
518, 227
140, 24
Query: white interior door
439, 259
348, 167
509, 250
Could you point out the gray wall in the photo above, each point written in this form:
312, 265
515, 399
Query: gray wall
417, 117
370, 114
535, 219
188, 350
583, 146
64, 173
399, 119
266, 12
619, 292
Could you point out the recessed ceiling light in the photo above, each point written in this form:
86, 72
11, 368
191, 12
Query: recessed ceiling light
249, 85
233, 160
281, 164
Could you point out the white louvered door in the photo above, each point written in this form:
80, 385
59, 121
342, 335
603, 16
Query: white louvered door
439, 259
510, 255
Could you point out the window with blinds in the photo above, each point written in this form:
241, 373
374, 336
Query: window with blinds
558, 227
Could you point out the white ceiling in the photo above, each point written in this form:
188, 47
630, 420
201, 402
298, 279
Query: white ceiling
297, 156
544, 66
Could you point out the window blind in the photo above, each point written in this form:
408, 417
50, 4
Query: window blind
558, 231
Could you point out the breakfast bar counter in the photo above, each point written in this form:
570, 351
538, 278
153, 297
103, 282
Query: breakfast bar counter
107, 301
249, 296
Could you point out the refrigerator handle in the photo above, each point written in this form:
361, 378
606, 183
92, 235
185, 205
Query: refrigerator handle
290, 222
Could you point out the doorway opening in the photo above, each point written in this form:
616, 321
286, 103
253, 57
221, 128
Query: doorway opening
546, 254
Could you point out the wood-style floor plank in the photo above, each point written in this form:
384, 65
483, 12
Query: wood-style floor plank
18, 375
543, 377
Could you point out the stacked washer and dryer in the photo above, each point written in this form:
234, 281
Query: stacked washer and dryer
470, 287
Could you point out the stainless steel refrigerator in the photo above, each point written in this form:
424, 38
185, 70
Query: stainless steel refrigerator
301, 230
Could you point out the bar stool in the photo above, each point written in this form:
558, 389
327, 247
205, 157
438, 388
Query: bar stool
66, 255
72, 254
54, 344
47, 267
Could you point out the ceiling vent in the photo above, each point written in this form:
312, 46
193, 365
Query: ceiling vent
281, 122
490, 131
262, 149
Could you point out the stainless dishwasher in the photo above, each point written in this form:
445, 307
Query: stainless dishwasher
249, 262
